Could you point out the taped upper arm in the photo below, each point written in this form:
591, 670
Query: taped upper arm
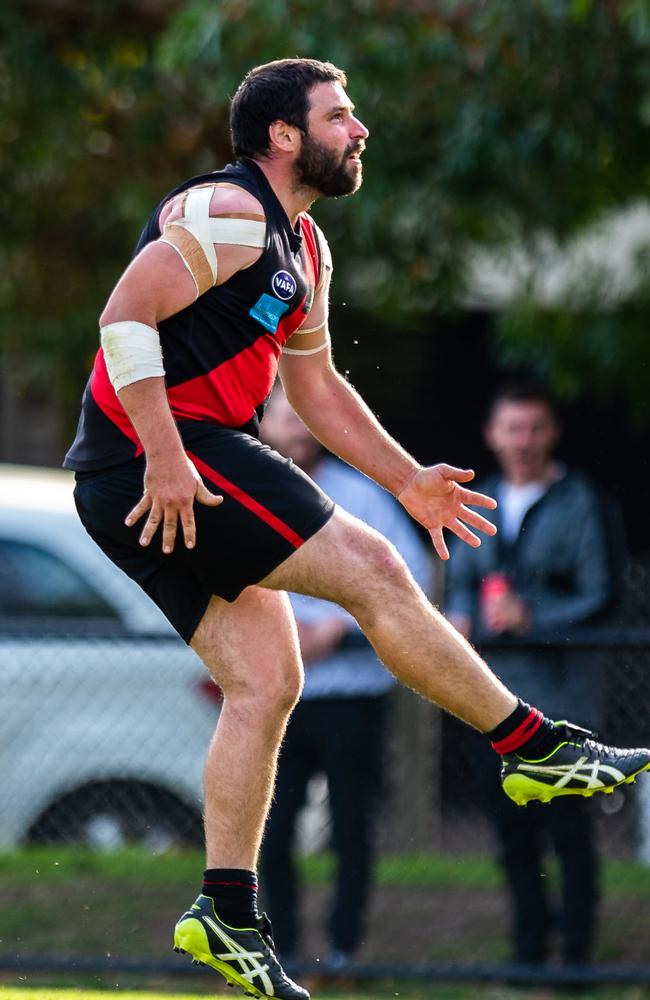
313, 336
216, 229
154, 286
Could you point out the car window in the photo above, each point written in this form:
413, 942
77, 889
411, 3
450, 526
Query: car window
35, 583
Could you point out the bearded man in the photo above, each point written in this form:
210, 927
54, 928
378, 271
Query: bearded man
229, 283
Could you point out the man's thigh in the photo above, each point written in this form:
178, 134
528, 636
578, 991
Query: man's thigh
343, 557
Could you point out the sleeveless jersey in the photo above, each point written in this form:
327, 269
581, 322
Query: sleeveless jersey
220, 353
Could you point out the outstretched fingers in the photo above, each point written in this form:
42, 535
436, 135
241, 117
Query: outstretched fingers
140, 509
169, 514
463, 532
439, 543
475, 499
186, 514
156, 515
477, 520
203, 495
452, 472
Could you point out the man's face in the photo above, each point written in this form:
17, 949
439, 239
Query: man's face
329, 161
523, 435
283, 429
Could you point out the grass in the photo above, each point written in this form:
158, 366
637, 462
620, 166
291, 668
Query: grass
630, 879
47, 993
433, 993
452, 899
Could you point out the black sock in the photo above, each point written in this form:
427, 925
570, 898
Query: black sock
526, 732
234, 891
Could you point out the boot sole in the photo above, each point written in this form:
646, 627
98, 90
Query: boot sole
190, 938
522, 789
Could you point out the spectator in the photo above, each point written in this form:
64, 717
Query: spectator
339, 725
548, 568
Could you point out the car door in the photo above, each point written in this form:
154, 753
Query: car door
92, 711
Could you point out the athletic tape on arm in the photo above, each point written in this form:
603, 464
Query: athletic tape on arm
132, 352
194, 234
308, 341
314, 336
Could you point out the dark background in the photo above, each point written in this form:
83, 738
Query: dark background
432, 390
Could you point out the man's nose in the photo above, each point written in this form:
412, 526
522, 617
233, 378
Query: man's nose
525, 438
358, 130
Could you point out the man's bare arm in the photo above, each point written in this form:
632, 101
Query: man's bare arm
156, 285
341, 420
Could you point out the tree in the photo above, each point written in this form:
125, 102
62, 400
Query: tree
491, 124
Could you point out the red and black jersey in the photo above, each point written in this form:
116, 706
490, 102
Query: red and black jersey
220, 353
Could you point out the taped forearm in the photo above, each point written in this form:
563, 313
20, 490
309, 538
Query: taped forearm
132, 352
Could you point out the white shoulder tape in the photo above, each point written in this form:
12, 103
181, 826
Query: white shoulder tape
132, 352
207, 230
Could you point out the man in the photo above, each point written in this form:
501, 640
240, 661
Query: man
339, 725
231, 278
536, 575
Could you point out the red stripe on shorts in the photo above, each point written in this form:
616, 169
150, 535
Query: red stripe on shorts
248, 501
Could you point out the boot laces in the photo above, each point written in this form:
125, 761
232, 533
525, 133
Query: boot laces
588, 740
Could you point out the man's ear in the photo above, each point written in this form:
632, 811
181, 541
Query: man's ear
284, 138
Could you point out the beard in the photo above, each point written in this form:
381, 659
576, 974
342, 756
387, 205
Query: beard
322, 170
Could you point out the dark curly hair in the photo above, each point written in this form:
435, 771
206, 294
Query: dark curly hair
275, 91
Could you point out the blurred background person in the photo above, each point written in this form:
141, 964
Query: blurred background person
339, 726
549, 568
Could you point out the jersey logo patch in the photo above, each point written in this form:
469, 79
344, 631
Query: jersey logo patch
283, 285
269, 311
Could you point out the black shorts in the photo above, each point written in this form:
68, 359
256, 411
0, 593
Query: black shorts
270, 507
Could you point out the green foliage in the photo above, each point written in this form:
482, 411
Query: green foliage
489, 123
606, 351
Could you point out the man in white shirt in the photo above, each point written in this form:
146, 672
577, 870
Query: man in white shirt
549, 567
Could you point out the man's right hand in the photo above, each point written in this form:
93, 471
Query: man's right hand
170, 489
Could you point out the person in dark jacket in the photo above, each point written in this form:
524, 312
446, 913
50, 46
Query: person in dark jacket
547, 569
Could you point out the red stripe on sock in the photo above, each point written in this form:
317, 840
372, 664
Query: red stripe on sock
522, 733
242, 884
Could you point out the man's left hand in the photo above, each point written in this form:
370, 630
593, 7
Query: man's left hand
435, 497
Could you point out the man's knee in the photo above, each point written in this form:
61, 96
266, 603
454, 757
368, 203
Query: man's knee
379, 566
273, 691
251, 650
387, 561
286, 688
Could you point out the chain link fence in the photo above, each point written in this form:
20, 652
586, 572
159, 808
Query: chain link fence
101, 751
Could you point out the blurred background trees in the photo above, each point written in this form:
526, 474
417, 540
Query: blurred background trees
509, 129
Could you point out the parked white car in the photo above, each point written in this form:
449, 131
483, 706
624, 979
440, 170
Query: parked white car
105, 714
